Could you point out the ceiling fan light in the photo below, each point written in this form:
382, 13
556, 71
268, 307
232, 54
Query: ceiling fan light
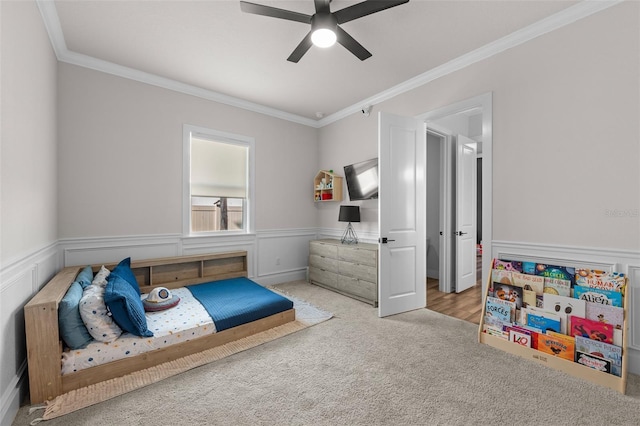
323, 37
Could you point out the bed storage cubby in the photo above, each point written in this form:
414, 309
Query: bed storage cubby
173, 272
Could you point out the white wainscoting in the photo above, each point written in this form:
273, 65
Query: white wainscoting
625, 261
283, 255
273, 256
20, 281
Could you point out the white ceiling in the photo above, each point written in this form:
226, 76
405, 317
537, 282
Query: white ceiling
213, 47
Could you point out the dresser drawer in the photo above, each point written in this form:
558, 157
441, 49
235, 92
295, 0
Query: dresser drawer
325, 250
358, 270
321, 262
361, 288
357, 255
323, 277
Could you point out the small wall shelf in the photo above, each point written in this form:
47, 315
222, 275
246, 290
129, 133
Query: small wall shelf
327, 186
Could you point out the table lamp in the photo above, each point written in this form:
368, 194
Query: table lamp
349, 214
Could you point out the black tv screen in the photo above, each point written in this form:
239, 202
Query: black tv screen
362, 179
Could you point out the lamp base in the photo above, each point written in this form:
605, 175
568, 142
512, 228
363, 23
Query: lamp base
349, 236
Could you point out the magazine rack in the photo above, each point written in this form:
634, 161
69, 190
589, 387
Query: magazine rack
573, 368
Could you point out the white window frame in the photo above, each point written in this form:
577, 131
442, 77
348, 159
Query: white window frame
248, 220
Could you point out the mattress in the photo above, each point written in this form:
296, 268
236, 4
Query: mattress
203, 309
238, 301
188, 320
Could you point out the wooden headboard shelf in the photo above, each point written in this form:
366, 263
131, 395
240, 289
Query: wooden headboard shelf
174, 272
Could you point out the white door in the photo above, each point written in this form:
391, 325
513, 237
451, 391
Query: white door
466, 193
402, 214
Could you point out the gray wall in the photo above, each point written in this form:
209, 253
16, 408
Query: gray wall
565, 108
28, 173
120, 157
28, 183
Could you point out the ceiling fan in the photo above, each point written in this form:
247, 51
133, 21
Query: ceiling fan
325, 25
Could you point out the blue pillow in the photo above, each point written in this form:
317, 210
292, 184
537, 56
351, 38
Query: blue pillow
123, 270
85, 277
125, 305
72, 328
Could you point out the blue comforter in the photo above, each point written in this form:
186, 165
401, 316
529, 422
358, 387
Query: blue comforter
238, 301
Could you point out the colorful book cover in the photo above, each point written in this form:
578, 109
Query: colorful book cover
522, 339
608, 314
543, 321
602, 350
499, 311
529, 268
595, 362
597, 295
557, 344
613, 281
552, 271
508, 292
557, 286
507, 265
528, 282
529, 331
593, 330
501, 276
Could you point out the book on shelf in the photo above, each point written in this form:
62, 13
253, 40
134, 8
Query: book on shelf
499, 311
563, 306
557, 286
501, 276
522, 339
607, 314
602, 350
593, 361
495, 331
528, 282
557, 344
594, 330
553, 271
508, 292
605, 280
598, 295
507, 265
542, 320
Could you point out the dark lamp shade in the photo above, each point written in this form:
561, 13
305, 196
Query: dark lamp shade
349, 214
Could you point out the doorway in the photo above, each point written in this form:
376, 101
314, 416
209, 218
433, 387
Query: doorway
471, 119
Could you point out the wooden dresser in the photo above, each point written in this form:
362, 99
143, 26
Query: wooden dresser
349, 269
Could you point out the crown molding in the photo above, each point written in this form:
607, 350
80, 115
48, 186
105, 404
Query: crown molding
565, 17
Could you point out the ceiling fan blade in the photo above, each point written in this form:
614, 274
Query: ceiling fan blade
322, 6
352, 45
365, 8
302, 48
274, 12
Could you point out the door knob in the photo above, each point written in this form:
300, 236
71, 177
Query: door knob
385, 240
460, 233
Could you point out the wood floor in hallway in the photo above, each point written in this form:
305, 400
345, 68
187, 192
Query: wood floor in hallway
466, 305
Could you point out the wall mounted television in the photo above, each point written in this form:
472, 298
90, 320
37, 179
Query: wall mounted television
362, 180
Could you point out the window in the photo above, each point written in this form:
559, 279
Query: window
218, 182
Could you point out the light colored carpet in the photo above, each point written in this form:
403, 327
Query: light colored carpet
306, 316
416, 368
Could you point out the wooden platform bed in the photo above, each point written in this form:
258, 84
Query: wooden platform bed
44, 346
